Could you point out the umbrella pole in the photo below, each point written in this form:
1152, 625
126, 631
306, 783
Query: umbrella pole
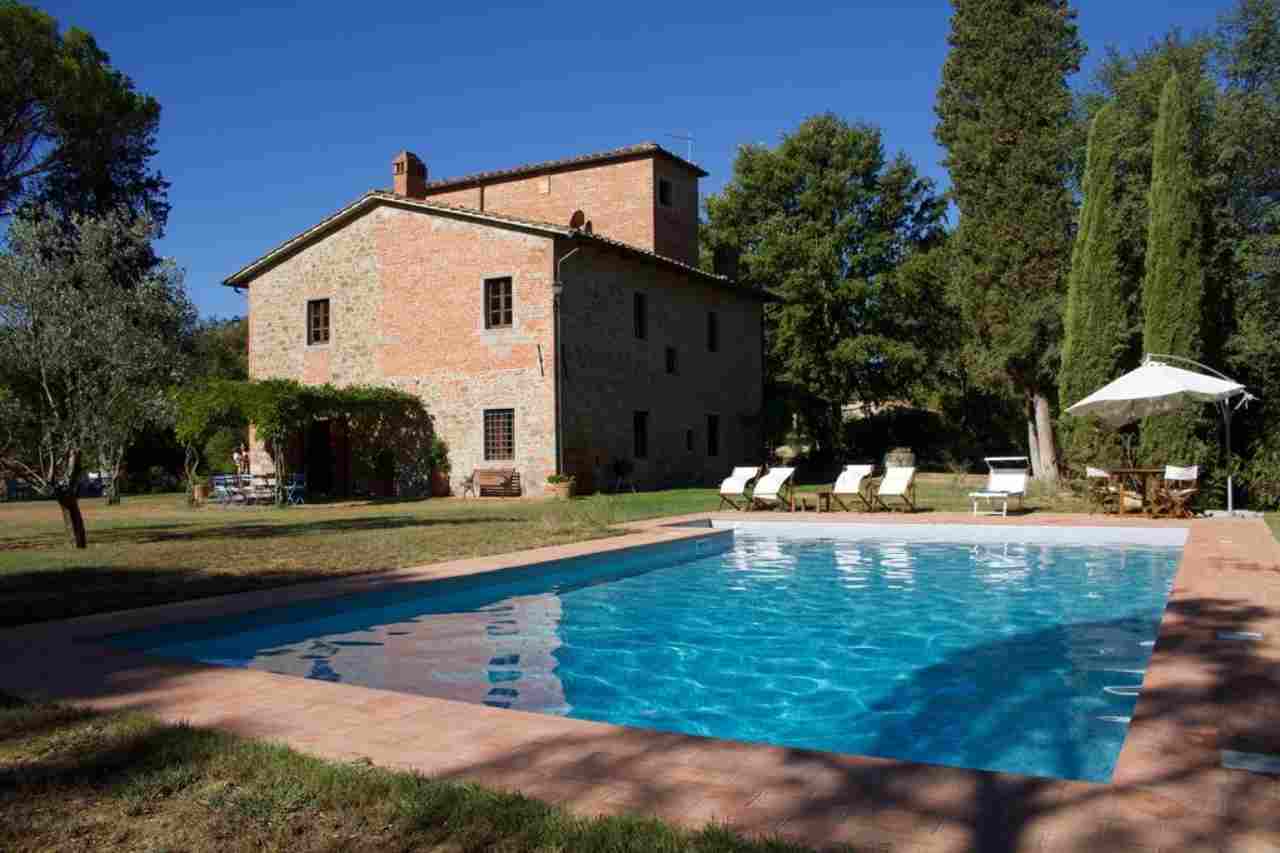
1226, 419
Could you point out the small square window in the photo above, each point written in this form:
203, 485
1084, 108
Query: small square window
499, 434
673, 366
713, 435
318, 321
640, 426
713, 332
664, 192
640, 308
497, 303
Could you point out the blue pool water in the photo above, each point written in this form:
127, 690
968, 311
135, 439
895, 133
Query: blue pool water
1008, 656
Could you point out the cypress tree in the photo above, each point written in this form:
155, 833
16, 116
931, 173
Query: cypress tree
1098, 330
1005, 118
1173, 290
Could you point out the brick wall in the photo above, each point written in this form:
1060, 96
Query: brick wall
435, 342
610, 374
619, 198
405, 293
675, 228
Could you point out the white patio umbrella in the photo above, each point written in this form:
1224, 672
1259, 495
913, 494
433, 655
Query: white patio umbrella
1157, 388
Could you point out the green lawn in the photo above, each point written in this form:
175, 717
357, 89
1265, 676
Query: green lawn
1273, 521
76, 780
154, 549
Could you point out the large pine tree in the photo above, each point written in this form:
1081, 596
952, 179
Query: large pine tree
1099, 329
1005, 113
1173, 291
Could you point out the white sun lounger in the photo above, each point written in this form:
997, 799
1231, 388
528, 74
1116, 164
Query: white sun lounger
851, 484
734, 488
774, 489
1009, 481
898, 483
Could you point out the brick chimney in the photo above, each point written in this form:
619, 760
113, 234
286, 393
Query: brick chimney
409, 174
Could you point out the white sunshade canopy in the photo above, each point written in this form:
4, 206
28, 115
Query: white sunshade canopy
1153, 389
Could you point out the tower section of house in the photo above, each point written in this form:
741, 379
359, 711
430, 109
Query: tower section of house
641, 195
445, 290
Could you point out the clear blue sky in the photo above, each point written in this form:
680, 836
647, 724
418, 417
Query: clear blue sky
277, 115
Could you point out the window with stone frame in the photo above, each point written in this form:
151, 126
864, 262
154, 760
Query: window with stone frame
317, 321
497, 303
499, 435
664, 192
640, 437
640, 316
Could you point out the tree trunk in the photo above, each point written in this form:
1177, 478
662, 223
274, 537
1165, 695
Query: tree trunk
73, 520
1033, 446
1044, 431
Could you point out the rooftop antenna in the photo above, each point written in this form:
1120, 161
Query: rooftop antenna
687, 139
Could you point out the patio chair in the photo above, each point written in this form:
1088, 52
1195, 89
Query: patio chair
734, 487
1007, 479
897, 483
220, 491
295, 491
1102, 493
1176, 491
1107, 494
854, 482
216, 489
774, 489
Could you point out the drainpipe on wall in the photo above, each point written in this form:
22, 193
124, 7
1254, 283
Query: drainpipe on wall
557, 290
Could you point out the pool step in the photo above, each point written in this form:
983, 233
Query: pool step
1253, 762
1240, 636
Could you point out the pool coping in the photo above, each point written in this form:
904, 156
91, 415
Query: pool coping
1169, 788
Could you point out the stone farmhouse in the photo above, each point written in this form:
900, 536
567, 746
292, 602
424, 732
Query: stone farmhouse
551, 316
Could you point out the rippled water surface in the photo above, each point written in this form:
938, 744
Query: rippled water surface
1019, 658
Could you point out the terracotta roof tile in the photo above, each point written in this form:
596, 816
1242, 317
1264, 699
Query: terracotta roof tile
242, 277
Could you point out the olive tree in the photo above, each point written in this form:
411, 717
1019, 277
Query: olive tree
89, 338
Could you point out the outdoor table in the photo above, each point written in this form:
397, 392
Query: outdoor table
824, 500
1146, 476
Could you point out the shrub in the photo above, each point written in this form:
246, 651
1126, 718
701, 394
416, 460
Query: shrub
1260, 475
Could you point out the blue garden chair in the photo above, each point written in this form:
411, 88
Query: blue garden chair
296, 490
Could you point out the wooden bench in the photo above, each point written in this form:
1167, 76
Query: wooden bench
494, 482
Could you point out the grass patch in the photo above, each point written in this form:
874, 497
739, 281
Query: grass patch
1273, 521
155, 550
71, 779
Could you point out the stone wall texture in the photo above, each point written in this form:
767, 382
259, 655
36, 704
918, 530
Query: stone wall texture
406, 299
610, 374
619, 198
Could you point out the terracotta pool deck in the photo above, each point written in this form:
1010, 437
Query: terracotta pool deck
1201, 695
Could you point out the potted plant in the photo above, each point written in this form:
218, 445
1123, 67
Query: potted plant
560, 486
438, 461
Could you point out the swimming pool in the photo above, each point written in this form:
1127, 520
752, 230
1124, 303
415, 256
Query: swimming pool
1016, 649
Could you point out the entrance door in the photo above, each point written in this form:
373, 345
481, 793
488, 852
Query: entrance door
319, 458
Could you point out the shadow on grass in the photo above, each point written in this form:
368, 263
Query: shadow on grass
196, 531
218, 787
